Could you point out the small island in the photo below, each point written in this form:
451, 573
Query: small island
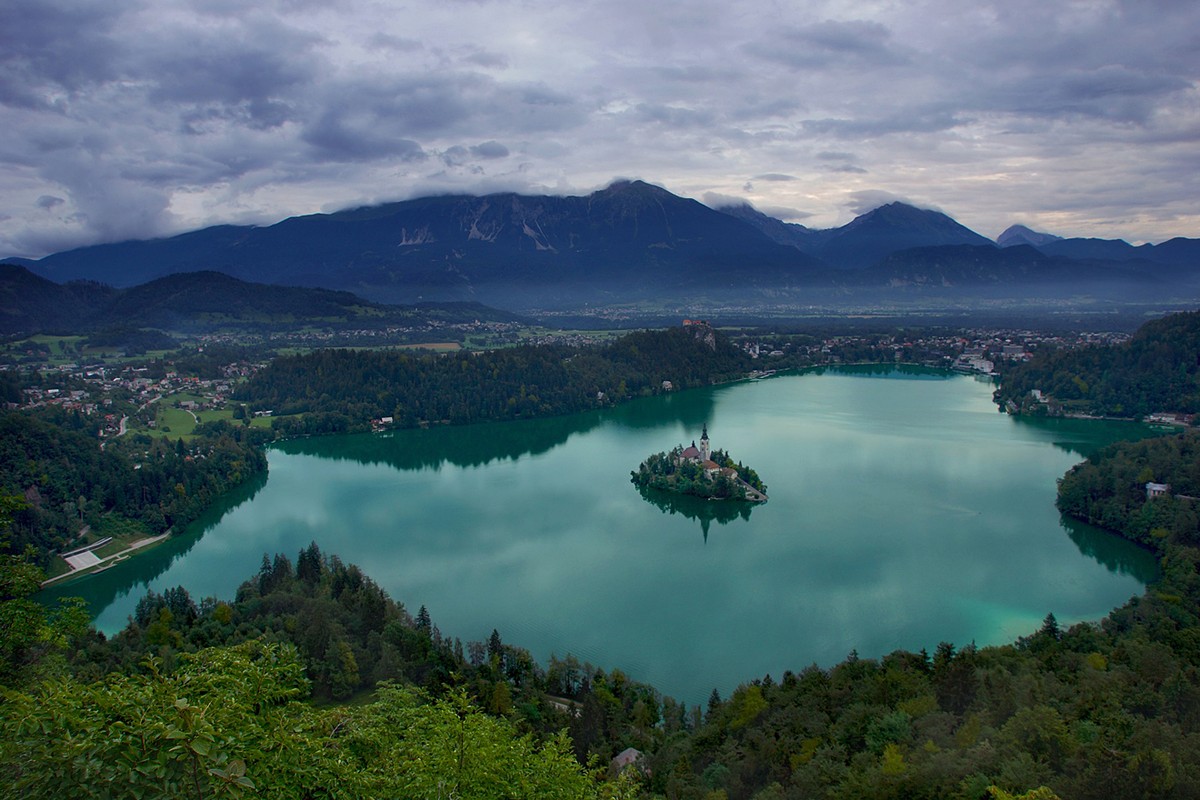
701, 472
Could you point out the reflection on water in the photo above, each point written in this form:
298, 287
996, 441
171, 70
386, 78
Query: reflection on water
1083, 437
484, 443
903, 372
697, 508
1121, 556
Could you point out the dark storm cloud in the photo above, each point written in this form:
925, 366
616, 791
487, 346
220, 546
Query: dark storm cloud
230, 63
48, 202
48, 45
369, 121
147, 117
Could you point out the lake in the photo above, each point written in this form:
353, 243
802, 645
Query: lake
904, 510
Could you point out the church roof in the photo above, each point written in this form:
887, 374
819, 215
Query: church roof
691, 452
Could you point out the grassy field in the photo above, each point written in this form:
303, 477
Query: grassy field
173, 422
437, 347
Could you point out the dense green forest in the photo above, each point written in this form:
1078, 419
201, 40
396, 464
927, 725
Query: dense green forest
66, 483
1158, 369
341, 390
1109, 490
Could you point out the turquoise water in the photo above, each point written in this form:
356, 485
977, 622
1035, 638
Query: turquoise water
904, 511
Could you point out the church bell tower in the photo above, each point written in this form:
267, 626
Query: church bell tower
704, 451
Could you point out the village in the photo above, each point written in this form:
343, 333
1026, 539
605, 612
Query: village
120, 392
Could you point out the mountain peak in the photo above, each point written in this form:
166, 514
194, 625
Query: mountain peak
870, 237
901, 212
633, 186
1019, 234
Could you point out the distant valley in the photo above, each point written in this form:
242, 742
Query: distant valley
635, 243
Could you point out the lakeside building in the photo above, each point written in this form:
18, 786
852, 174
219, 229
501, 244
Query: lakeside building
1154, 490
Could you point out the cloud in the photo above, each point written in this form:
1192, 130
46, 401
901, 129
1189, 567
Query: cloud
489, 149
860, 202
915, 120
784, 213
144, 118
490, 60
48, 45
716, 200
47, 202
830, 44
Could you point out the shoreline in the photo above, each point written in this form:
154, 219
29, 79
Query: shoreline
108, 562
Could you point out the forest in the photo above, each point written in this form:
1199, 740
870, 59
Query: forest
341, 390
1158, 369
66, 483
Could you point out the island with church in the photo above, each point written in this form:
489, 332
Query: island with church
701, 472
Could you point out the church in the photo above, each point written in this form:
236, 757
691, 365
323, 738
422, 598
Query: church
702, 455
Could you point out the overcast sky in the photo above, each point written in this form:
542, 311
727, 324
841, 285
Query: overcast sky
133, 118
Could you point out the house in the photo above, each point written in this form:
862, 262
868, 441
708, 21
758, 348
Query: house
1154, 490
629, 757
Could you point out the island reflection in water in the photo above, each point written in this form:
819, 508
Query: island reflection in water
700, 509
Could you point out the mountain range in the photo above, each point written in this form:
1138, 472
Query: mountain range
633, 242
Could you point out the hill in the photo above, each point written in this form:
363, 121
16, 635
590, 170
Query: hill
197, 302
1156, 370
1019, 234
33, 304
868, 239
